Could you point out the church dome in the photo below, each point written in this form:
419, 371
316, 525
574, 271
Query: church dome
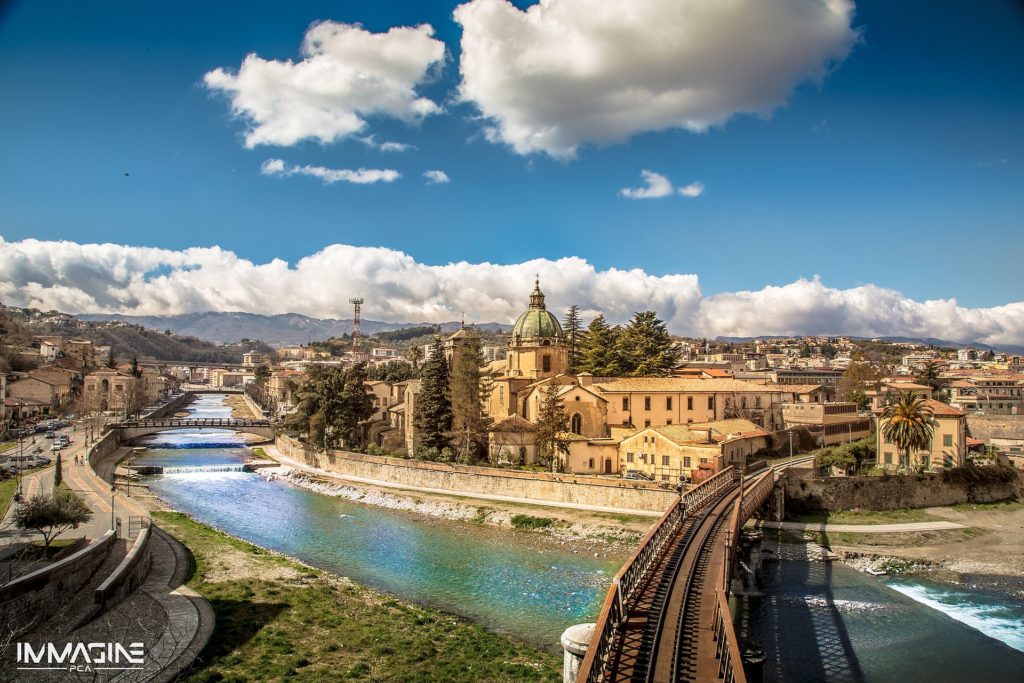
537, 322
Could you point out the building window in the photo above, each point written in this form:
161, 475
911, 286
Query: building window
664, 477
647, 423
629, 457
888, 457
668, 421
577, 423
647, 402
947, 440
501, 395
924, 461
689, 402
625, 403
668, 403
686, 461
643, 457
664, 460
546, 362
711, 402
591, 463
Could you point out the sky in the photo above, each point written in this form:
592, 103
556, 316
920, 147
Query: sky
742, 167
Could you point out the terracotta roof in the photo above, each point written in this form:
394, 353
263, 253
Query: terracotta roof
513, 423
681, 384
941, 409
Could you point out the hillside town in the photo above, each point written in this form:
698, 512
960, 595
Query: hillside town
712, 404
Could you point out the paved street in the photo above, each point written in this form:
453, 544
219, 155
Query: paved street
863, 528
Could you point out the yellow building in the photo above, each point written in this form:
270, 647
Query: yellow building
948, 448
667, 452
830, 423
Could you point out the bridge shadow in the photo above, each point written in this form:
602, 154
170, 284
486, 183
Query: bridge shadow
798, 620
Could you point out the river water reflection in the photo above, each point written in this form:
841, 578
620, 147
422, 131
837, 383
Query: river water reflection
508, 581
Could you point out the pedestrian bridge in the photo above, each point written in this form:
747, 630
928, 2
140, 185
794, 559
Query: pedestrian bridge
666, 616
134, 429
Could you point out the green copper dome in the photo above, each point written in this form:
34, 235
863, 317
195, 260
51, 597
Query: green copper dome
537, 322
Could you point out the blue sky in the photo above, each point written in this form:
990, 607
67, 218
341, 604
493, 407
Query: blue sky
901, 167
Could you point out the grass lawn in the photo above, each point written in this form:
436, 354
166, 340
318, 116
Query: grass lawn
7, 489
1000, 506
8, 445
279, 619
867, 517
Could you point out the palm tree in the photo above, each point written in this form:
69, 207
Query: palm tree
415, 355
908, 423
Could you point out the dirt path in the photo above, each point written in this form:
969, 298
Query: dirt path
996, 548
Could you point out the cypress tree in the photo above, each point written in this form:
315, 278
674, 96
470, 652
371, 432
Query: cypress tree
468, 424
58, 473
552, 424
433, 413
573, 328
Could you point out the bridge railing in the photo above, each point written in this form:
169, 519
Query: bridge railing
727, 647
615, 607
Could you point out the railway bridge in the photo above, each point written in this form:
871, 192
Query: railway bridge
133, 429
666, 616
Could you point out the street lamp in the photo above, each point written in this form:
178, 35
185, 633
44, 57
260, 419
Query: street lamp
113, 518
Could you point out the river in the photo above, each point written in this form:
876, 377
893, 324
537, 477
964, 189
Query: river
512, 582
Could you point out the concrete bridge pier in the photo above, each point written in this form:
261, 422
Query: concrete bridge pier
575, 641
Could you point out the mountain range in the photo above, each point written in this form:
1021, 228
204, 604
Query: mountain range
277, 330
921, 341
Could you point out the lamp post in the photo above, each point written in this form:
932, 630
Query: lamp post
113, 518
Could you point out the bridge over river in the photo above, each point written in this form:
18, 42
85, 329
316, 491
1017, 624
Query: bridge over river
666, 617
133, 429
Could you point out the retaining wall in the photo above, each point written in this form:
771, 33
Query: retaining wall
171, 407
128, 575
45, 591
807, 492
469, 480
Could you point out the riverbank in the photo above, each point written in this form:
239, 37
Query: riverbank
279, 618
578, 530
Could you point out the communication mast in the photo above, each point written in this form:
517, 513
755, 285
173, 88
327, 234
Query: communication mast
356, 334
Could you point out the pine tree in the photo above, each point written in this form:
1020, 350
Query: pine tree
552, 424
332, 402
645, 348
468, 426
111, 359
433, 413
134, 370
598, 350
573, 328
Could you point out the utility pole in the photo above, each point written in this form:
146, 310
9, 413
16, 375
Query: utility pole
790, 443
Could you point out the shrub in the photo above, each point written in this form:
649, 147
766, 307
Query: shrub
530, 523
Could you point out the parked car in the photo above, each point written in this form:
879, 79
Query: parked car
636, 475
57, 445
42, 461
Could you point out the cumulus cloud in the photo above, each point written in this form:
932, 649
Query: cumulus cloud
110, 278
386, 146
657, 186
694, 189
329, 176
567, 72
346, 75
436, 177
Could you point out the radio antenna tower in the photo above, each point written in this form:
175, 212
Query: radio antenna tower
356, 334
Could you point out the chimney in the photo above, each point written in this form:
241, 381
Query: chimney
585, 379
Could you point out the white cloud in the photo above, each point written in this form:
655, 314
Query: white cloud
144, 281
362, 176
346, 75
694, 189
387, 145
567, 72
436, 177
657, 186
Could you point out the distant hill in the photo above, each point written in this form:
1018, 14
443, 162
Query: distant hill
276, 330
922, 341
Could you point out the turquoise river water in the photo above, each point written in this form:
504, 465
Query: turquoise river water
816, 621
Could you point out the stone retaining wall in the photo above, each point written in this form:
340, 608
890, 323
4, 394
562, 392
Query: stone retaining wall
45, 591
171, 407
128, 575
806, 492
469, 480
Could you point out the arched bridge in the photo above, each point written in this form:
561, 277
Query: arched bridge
666, 616
133, 429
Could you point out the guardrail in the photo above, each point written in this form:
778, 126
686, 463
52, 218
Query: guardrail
727, 647
193, 422
613, 610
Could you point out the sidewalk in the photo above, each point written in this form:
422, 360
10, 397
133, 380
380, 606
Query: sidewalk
862, 528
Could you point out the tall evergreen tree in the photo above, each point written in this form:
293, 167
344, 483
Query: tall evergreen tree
645, 348
469, 434
929, 376
573, 328
552, 424
58, 473
134, 370
433, 413
111, 358
598, 350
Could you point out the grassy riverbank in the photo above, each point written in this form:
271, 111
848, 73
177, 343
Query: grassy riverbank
277, 619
